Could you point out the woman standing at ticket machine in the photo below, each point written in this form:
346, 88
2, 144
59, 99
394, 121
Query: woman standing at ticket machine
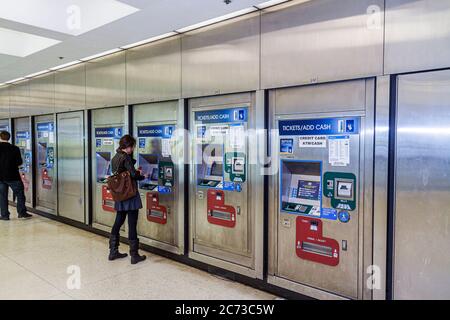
123, 161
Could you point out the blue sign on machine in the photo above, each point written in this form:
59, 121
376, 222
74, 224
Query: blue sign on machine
22, 134
109, 132
222, 115
156, 131
45, 126
326, 126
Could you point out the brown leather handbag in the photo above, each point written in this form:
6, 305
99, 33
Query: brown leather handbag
121, 186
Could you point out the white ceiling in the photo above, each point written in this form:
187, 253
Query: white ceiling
132, 21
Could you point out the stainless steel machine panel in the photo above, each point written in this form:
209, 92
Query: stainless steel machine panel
422, 202
417, 36
224, 189
321, 41
154, 71
42, 95
222, 58
155, 128
107, 129
23, 139
105, 81
45, 163
320, 189
4, 102
71, 157
19, 99
70, 88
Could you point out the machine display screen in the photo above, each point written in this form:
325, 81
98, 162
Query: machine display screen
308, 190
149, 168
216, 169
103, 165
42, 153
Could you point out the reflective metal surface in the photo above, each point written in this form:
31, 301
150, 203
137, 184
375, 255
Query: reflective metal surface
70, 89
321, 41
417, 35
71, 193
380, 196
19, 99
348, 278
45, 162
154, 71
103, 118
105, 81
42, 95
23, 138
222, 58
4, 103
422, 202
165, 235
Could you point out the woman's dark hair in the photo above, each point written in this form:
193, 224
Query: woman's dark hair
126, 141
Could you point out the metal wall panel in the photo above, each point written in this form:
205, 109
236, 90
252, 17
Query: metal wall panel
154, 71
222, 58
422, 200
71, 177
321, 41
70, 89
4, 103
42, 95
417, 35
19, 99
105, 81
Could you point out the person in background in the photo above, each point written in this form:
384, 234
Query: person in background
10, 160
123, 161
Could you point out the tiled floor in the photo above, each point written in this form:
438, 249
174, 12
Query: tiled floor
35, 255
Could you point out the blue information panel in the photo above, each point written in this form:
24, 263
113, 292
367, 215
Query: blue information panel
156, 131
326, 126
45, 126
222, 115
22, 135
109, 132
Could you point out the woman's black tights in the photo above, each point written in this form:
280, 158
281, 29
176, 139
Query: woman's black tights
132, 223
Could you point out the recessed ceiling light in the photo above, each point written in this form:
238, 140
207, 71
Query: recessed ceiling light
72, 17
218, 19
15, 80
65, 65
152, 39
271, 3
98, 55
21, 44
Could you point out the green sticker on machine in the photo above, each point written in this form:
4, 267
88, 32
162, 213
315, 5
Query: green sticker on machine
166, 173
340, 187
235, 166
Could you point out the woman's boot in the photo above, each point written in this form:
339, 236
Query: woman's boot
114, 253
134, 252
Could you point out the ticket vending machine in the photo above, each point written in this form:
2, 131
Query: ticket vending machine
226, 195
320, 211
45, 146
158, 158
23, 140
107, 129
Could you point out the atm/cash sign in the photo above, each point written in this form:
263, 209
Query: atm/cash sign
312, 141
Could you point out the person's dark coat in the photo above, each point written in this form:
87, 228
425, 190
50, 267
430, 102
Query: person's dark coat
10, 160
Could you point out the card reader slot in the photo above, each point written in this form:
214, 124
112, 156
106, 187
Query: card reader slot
317, 249
109, 203
156, 213
220, 215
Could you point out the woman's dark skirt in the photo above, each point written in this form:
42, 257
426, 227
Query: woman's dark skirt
131, 204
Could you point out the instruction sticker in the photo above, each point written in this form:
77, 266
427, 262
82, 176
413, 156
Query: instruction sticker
312, 141
339, 151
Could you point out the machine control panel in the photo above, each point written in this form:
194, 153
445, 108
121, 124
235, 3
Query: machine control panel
106, 144
155, 148
221, 160
318, 182
46, 153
